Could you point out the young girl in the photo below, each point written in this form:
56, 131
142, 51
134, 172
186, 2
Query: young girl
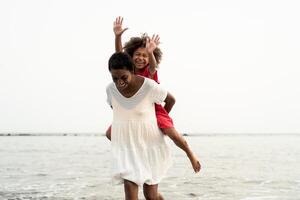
140, 153
146, 57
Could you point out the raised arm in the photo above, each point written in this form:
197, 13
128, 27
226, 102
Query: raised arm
169, 102
151, 45
118, 30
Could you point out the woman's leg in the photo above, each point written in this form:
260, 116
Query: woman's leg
179, 140
151, 193
131, 190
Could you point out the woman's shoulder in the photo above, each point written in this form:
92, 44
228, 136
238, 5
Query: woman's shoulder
149, 82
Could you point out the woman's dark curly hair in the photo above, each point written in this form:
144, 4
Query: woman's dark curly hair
136, 42
120, 60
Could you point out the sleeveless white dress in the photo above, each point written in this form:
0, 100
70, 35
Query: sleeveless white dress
140, 151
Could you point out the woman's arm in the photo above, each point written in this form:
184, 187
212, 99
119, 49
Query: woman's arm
169, 102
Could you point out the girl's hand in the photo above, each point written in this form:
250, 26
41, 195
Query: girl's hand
118, 30
152, 43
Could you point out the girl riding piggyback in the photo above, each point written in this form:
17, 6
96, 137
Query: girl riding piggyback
146, 56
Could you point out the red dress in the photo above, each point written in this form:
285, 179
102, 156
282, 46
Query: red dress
162, 116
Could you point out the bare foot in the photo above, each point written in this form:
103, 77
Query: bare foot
195, 163
160, 197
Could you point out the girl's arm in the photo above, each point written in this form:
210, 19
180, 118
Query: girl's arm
118, 44
152, 64
118, 30
151, 45
169, 102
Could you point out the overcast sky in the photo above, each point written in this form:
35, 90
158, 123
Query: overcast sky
233, 66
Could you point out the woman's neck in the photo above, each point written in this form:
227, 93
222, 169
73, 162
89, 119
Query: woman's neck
133, 83
134, 86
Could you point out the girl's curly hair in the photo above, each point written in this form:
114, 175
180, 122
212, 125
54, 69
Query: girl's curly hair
136, 42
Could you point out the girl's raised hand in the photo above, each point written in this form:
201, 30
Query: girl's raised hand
118, 30
152, 43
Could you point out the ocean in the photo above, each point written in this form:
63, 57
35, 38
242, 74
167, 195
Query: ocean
234, 167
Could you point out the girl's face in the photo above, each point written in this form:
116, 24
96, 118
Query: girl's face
140, 58
122, 78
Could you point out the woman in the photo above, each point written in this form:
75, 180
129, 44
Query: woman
140, 153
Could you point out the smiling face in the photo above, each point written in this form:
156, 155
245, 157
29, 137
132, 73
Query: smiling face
122, 78
140, 58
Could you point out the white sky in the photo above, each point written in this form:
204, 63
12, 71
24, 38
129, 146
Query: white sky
233, 66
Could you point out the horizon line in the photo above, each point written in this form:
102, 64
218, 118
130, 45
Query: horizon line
103, 134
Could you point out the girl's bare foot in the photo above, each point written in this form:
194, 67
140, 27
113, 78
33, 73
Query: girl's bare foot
160, 197
195, 162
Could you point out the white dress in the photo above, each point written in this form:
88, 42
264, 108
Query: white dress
140, 151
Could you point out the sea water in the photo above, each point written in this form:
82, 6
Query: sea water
234, 167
